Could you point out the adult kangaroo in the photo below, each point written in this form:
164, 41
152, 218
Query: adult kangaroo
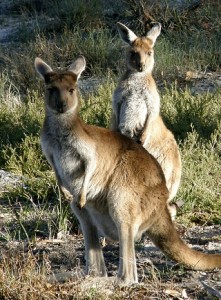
136, 106
124, 185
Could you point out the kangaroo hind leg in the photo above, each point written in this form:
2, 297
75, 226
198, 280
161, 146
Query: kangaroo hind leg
95, 264
127, 269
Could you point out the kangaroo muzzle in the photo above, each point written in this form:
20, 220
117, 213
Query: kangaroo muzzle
141, 67
61, 106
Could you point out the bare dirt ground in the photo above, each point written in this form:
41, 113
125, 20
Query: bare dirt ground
65, 258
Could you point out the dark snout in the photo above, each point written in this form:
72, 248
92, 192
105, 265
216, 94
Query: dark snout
141, 67
61, 106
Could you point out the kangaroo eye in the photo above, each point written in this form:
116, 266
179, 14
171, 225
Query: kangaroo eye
71, 91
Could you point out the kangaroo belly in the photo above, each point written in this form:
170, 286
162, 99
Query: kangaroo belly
132, 117
133, 112
137, 103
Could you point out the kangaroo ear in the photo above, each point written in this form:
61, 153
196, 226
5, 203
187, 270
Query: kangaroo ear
78, 66
127, 35
41, 67
154, 32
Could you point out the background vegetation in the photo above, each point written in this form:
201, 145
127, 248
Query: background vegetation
58, 31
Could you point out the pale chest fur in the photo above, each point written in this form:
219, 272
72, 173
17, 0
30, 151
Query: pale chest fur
64, 158
135, 100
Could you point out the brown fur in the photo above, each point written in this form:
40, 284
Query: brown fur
125, 190
136, 107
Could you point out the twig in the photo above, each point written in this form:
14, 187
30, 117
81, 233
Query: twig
211, 290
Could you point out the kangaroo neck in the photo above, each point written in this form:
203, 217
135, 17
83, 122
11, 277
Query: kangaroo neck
133, 74
66, 124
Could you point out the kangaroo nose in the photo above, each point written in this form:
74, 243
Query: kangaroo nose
61, 107
141, 67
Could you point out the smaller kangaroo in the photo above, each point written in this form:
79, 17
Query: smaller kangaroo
123, 184
136, 106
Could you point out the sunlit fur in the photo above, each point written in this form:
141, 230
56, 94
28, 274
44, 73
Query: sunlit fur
123, 185
136, 106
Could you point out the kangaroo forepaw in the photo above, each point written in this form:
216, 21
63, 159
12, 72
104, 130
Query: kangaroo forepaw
81, 201
172, 210
67, 195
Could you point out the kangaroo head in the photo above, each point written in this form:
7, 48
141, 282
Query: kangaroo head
140, 54
61, 87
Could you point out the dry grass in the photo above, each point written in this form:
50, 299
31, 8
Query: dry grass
24, 276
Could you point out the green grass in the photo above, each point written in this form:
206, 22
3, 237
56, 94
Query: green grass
98, 46
200, 187
195, 121
183, 110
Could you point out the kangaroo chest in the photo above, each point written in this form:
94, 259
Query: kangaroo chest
136, 102
66, 161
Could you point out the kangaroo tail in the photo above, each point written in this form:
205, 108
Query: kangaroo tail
166, 237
